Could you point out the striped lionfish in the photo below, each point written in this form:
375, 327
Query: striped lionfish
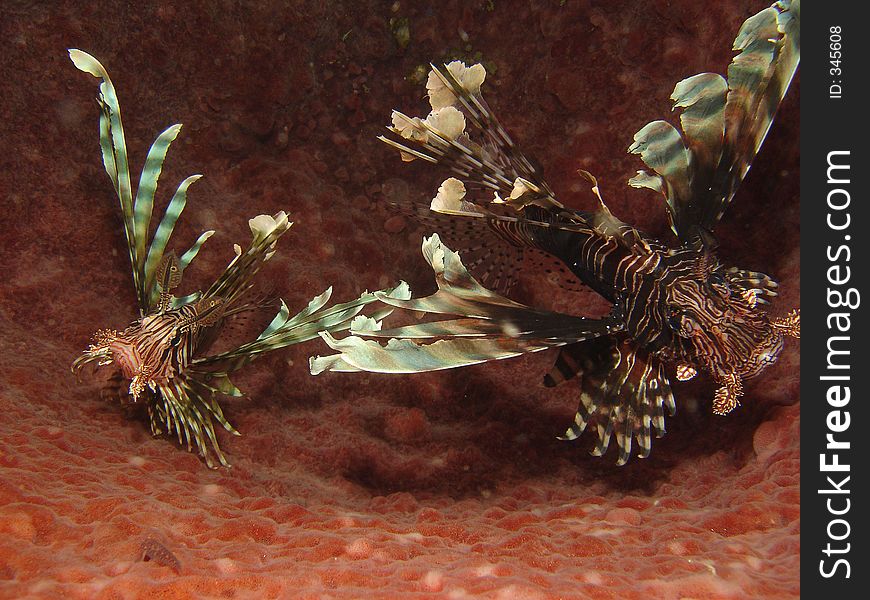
674, 305
164, 352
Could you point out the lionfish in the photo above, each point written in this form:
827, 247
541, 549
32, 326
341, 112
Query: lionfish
676, 309
164, 352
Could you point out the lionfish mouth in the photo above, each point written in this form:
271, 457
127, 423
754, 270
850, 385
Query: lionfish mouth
99, 350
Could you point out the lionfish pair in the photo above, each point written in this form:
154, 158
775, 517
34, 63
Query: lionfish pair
674, 305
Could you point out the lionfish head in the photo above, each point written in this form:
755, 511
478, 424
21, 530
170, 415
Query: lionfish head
142, 353
719, 316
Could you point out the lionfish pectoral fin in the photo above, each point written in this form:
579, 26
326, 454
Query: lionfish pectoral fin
622, 391
755, 287
686, 372
209, 311
490, 251
570, 362
186, 408
484, 326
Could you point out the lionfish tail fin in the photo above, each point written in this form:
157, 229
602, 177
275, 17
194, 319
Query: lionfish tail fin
723, 123
623, 392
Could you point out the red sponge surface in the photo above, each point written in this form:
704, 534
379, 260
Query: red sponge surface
450, 485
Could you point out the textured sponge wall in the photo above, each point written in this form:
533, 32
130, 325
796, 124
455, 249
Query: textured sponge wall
442, 486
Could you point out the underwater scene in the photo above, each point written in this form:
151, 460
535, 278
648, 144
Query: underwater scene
400, 300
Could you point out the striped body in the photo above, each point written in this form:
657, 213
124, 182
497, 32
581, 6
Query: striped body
153, 349
671, 306
678, 304
676, 310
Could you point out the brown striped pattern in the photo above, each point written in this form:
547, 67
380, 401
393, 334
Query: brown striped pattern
724, 123
675, 303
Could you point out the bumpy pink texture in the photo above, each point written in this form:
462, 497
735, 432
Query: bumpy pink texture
445, 486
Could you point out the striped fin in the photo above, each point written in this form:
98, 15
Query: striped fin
495, 247
702, 98
168, 272
285, 331
187, 409
788, 24
748, 76
623, 392
147, 188
281, 318
163, 233
758, 76
404, 355
236, 278
144, 257
762, 286
184, 300
723, 124
188, 256
505, 204
570, 362
750, 71
114, 148
491, 253
490, 327
209, 311
498, 142
661, 147
168, 277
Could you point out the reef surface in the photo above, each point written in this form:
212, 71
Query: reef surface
449, 485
